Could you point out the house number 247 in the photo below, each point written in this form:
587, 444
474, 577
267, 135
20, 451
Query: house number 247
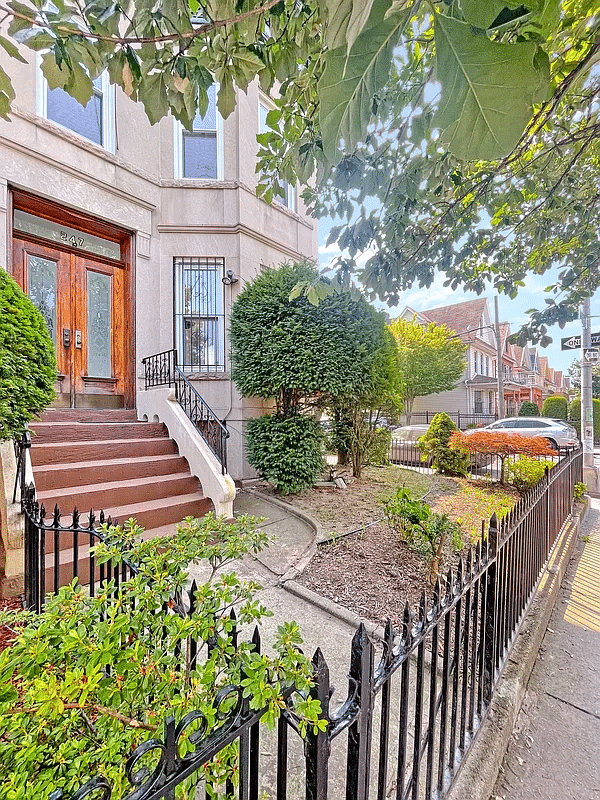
74, 241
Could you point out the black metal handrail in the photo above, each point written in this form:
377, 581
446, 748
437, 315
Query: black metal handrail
161, 369
22, 445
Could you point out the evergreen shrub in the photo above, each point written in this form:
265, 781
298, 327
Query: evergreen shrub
435, 444
27, 360
285, 450
575, 416
529, 409
555, 407
523, 473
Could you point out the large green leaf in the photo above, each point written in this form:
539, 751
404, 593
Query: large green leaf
346, 21
349, 82
488, 90
481, 14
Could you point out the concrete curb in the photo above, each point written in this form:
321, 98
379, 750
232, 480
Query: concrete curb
477, 776
309, 552
327, 605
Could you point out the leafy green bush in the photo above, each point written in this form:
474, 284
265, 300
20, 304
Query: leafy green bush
27, 360
378, 447
286, 451
91, 678
422, 529
555, 407
434, 444
523, 473
529, 409
575, 416
579, 490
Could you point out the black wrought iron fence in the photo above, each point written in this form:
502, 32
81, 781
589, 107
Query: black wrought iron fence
461, 419
162, 370
415, 700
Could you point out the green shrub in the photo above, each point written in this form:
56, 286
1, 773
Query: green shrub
286, 451
555, 407
523, 473
378, 447
91, 678
27, 360
422, 529
434, 444
575, 416
529, 409
579, 490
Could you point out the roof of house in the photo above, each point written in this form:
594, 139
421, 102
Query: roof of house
460, 317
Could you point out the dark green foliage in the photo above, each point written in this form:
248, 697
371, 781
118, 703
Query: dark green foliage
378, 448
286, 451
435, 445
27, 360
555, 407
575, 416
529, 409
288, 349
523, 473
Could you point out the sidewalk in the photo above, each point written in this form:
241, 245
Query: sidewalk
555, 749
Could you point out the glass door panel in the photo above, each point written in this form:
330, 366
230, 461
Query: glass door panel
99, 360
42, 289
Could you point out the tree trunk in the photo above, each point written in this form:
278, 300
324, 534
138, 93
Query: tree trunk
408, 405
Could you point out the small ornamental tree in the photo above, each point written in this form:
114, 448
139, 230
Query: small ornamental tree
501, 445
92, 678
435, 444
555, 406
431, 359
529, 409
27, 360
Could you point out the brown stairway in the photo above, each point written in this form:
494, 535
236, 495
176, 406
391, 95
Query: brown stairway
107, 460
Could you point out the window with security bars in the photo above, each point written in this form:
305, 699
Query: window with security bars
199, 314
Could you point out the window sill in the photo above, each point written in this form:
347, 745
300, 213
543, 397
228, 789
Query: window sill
206, 376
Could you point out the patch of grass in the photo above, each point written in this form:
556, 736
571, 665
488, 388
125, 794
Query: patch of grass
473, 505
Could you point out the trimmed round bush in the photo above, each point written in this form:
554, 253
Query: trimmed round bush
27, 360
529, 409
555, 407
286, 451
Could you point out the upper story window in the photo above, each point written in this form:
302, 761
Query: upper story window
199, 152
475, 358
289, 198
199, 314
94, 121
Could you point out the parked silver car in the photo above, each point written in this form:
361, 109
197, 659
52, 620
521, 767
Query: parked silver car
558, 432
404, 448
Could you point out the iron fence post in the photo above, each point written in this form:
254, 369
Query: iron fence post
490, 610
317, 746
359, 733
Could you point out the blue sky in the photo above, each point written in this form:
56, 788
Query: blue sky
513, 311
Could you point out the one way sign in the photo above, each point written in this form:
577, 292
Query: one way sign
574, 342
590, 354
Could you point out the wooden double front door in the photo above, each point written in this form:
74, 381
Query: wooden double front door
84, 301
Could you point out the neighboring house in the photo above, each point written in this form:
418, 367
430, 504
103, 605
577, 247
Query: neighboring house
526, 375
475, 392
134, 239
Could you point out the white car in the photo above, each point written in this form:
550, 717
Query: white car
558, 433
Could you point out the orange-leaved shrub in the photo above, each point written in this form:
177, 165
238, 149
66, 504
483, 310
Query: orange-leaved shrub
501, 445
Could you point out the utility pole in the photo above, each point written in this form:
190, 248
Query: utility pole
499, 366
587, 409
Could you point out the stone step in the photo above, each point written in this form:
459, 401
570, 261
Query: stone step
67, 452
45, 432
81, 473
88, 415
123, 493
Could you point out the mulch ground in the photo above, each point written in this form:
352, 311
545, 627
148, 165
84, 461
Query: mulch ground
7, 634
372, 573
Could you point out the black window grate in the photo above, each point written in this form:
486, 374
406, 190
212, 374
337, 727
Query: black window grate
199, 314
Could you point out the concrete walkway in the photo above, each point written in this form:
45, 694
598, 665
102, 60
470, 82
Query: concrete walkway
555, 749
